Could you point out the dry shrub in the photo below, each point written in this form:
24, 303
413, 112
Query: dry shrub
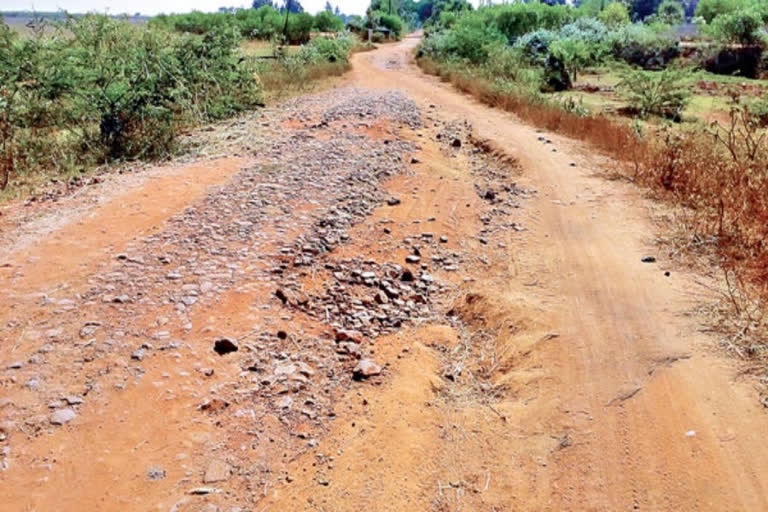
281, 79
719, 174
614, 137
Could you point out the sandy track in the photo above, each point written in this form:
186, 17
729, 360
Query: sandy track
629, 376
539, 365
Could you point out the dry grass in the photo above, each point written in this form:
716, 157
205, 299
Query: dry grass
603, 132
281, 81
717, 175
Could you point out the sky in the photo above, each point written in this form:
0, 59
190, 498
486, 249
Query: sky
166, 6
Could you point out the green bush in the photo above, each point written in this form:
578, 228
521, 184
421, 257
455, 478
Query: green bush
670, 12
576, 54
299, 28
326, 21
515, 20
447, 19
263, 23
659, 93
355, 24
553, 17
536, 49
508, 63
590, 8
711, 9
563, 54
327, 49
535, 45
470, 39
549, 37
439, 7
589, 30
614, 15
107, 89
294, 73
392, 22
742, 27
642, 46
759, 109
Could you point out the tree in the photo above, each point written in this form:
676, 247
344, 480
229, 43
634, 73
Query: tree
261, 3
287, 13
326, 21
328, 7
614, 15
592, 7
641, 9
574, 53
293, 6
742, 27
670, 12
440, 6
711, 9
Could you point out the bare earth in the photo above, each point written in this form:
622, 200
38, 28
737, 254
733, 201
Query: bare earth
435, 307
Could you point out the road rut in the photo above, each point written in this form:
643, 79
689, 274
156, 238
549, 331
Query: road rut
435, 307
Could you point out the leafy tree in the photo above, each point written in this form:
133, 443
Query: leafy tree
591, 8
710, 9
440, 6
424, 10
575, 54
515, 20
670, 12
742, 27
298, 28
355, 23
640, 45
328, 7
392, 22
641, 9
614, 15
326, 21
261, 3
293, 7
388, 6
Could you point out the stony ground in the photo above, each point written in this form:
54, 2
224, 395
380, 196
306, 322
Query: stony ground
383, 296
276, 233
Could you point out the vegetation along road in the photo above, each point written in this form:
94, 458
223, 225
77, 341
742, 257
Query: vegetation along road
390, 297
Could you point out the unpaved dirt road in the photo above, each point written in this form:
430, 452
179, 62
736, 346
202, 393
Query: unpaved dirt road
433, 306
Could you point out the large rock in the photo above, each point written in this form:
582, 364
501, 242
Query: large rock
366, 368
62, 416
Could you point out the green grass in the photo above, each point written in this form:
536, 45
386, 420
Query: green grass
705, 105
702, 75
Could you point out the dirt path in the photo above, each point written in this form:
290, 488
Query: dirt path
434, 307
